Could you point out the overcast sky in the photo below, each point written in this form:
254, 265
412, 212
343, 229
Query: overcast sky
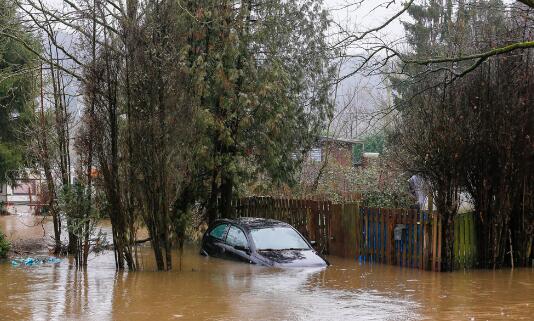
369, 14
358, 97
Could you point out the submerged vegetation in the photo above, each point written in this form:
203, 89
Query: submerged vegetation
4, 246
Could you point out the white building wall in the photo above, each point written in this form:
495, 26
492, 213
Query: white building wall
3, 193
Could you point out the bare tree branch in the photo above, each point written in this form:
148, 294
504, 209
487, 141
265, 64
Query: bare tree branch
43, 58
481, 56
353, 38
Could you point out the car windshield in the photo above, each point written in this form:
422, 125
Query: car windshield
278, 238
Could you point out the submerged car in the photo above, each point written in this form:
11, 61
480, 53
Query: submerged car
259, 241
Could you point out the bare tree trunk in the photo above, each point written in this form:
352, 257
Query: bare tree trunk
211, 206
45, 161
225, 205
447, 205
63, 139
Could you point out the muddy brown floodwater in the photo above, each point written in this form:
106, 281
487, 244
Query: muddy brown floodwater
213, 289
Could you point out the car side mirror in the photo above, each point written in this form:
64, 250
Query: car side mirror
313, 243
242, 248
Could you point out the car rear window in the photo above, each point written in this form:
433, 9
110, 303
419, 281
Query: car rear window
219, 231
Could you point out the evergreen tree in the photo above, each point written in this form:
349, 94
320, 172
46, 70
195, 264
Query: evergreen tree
263, 91
17, 66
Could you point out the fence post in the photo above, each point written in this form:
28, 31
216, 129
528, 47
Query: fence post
312, 225
420, 217
398, 243
456, 245
426, 241
462, 248
434, 241
357, 231
390, 221
383, 235
439, 241
413, 239
327, 221
473, 240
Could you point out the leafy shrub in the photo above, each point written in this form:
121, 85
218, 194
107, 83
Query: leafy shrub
3, 210
4, 245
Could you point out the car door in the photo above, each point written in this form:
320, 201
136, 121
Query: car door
237, 238
213, 243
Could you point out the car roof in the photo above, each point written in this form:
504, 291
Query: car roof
253, 223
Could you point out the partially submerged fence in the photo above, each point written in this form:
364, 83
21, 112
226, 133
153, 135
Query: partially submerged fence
404, 237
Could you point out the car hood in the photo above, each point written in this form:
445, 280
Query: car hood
293, 258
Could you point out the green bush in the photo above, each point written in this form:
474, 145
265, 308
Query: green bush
2, 208
4, 245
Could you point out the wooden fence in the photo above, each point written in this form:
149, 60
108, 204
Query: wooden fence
404, 237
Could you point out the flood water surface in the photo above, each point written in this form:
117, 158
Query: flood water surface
214, 289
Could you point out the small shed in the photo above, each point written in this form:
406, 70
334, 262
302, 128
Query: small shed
339, 150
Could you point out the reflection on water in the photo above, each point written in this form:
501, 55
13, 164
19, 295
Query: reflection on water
220, 290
